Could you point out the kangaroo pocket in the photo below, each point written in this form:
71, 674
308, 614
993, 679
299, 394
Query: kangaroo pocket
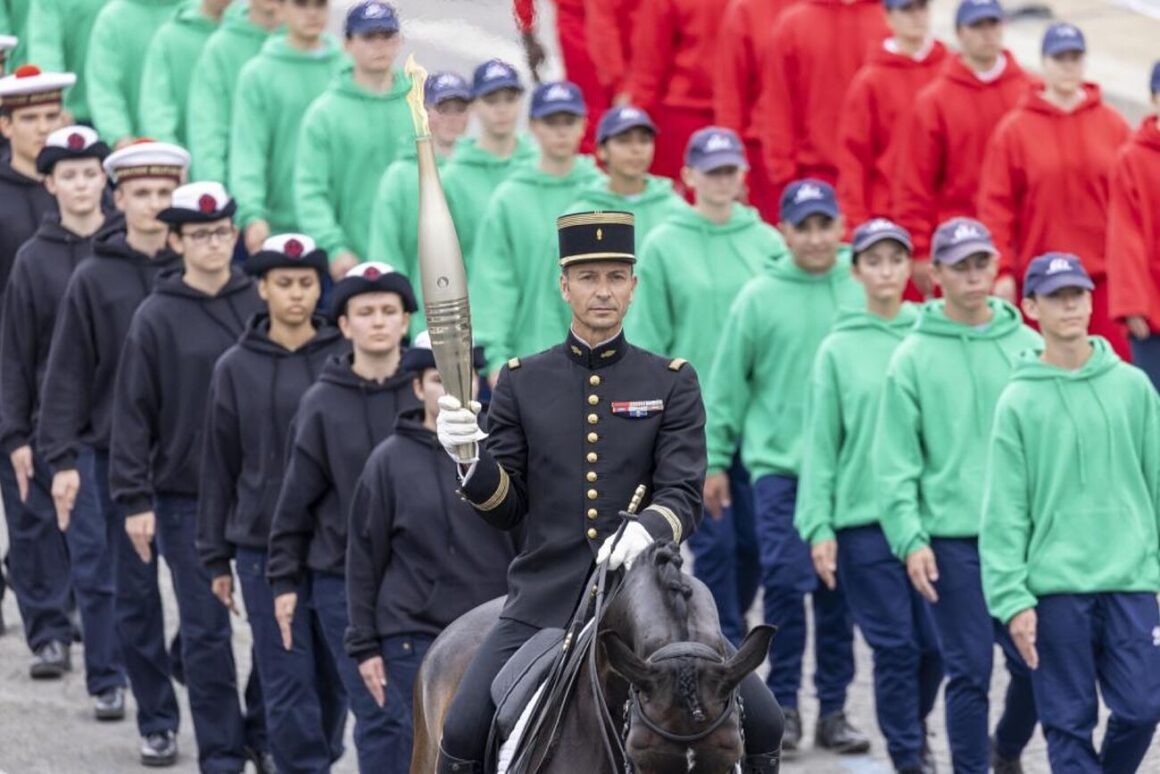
1061, 554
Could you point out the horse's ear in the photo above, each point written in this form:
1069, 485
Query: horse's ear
624, 661
754, 649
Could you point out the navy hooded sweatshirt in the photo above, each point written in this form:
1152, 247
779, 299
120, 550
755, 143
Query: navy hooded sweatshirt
35, 287
253, 395
159, 402
23, 204
418, 556
98, 305
339, 422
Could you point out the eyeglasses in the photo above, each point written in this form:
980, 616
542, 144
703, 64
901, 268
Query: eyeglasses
204, 235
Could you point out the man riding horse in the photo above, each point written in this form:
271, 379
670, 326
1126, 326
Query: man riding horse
572, 432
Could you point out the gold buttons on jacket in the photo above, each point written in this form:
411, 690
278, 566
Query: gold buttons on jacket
593, 438
592, 513
593, 419
592, 533
594, 380
591, 475
592, 457
593, 494
593, 400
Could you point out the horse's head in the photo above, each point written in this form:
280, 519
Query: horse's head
683, 711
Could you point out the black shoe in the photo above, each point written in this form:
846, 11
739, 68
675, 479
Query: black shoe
836, 734
769, 763
159, 749
263, 761
51, 661
1001, 765
110, 704
448, 765
791, 737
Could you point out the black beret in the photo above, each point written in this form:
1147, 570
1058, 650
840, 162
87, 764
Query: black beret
287, 251
371, 277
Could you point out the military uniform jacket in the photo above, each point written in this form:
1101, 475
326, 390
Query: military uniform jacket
572, 432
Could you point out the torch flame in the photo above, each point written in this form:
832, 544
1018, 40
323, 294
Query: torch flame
415, 98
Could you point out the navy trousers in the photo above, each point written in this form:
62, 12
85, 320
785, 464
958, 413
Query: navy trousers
381, 734
1109, 640
304, 699
726, 556
1146, 356
967, 635
402, 656
38, 560
895, 621
788, 576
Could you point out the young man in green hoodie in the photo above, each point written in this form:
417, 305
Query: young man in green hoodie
274, 90
350, 135
115, 64
243, 30
701, 257
756, 390
481, 164
835, 509
513, 273
1070, 538
929, 450
169, 64
625, 145
58, 40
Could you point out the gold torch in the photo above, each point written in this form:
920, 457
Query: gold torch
444, 279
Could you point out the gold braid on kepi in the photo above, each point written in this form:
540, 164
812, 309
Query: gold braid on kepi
596, 236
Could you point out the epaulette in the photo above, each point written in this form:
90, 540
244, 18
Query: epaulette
513, 364
677, 363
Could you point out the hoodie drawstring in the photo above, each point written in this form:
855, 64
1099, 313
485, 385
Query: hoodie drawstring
1079, 447
1109, 430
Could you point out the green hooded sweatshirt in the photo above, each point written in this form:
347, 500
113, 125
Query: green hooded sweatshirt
274, 90
58, 41
757, 385
469, 180
689, 262
116, 59
1073, 484
836, 490
349, 138
930, 448
169, 63
515, 274
211, 91
650, 208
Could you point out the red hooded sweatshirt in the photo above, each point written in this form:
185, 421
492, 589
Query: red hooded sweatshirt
673, 45
738, 84
882, 93
1044, 181
1133, 254
945, 137
809, 59
608, 30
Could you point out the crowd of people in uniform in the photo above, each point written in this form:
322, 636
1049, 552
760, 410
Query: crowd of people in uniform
907, 278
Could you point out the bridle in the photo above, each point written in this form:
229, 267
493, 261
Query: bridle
673, 651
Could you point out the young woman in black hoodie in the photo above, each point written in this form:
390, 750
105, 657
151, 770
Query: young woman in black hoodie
177, 335
340, 420
416, 558
253, 395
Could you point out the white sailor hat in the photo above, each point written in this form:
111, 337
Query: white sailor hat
28, 85
198, 203
147, 158
70, 142
7, 43
419, 357
288, 251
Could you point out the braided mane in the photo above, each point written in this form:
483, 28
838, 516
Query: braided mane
667, 561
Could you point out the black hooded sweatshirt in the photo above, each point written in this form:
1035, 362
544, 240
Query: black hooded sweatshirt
35, 287
418, 557
23, 204
99, 302
339, 422
253, 395
159, 402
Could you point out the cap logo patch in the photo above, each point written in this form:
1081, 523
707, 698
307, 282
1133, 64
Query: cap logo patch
27, 71
495, 70
718, 142
1058, 265
293, 248
207, 204
808, 192
965, 231
446, 81
1066, 31
372, 273
878, 224
374, 11
76, 142
630, 114
557, 93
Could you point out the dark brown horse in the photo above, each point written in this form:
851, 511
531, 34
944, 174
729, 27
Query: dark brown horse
663, 669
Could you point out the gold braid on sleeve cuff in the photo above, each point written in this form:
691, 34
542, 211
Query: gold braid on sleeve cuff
671, 518
497, 497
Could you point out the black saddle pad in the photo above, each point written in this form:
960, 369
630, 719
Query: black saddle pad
517, 682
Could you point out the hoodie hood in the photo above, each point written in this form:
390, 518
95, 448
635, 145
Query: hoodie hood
256, 337
468, 153
237, 20
278, 48
958, 72
339, 370
51, 229
860, 319
786, 269
409, 424
935, 57
740, 218
933, 321
190, 15
530, 173
345, 85
111, 243
1032, 368
655, 189
11, 176
1036, 102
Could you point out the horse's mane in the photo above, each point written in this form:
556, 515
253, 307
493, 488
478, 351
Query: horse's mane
666, 560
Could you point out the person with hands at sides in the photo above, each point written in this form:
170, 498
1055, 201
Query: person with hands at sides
836, 514
1133, 252
417, 557
340, 420
930, 443
253, 394
1072, 572
702, 256
757, 388
274, 90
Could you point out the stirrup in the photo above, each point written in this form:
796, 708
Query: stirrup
450, 765
766, 763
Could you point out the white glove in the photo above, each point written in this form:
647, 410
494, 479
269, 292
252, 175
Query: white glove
457, 426
634, 540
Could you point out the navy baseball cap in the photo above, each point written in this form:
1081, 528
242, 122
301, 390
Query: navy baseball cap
493, 75
1156, 78
1062, 37
1053, 271
441, 87
974, 11
714, 147
619, 120
878, 230
894, 5
371, 16
960, 238
558, 97
804, 198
